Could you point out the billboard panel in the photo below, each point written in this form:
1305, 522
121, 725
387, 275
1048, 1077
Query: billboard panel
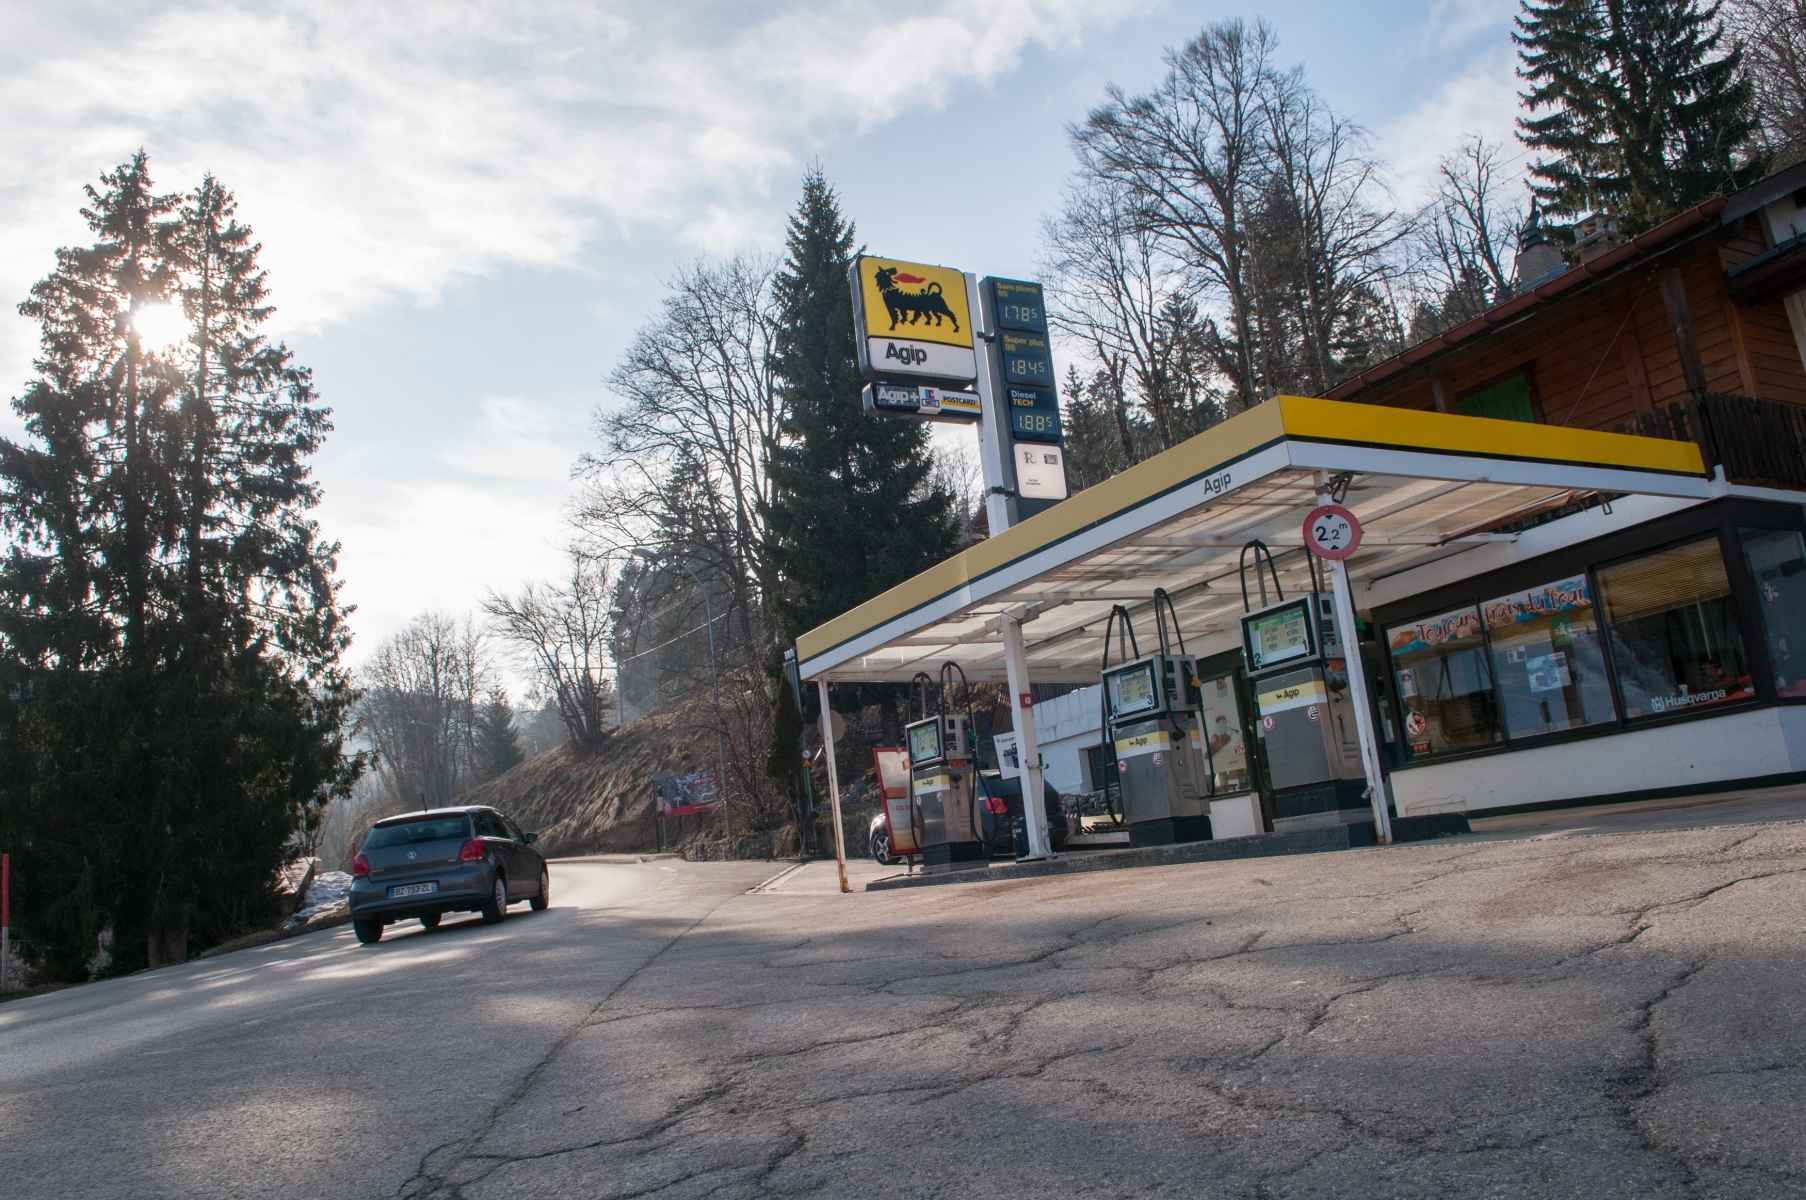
913, 320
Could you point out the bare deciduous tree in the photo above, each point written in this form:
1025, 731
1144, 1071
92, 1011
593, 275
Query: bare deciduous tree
958, 474
1110, 280
683, 460
1187, 155
1463, 240
562, 631
1773, 35
1227, 238
422, 688
1322, 190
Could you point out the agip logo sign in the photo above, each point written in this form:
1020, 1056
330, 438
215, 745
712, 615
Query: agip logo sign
913, 320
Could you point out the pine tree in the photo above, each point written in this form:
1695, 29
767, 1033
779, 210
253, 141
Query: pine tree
497, 739
170, 631
1644, 116
852, 512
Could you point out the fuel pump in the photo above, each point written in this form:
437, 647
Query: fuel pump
943, 771
1294, 654
1150, 715
1235, 815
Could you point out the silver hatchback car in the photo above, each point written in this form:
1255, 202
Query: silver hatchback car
425, 864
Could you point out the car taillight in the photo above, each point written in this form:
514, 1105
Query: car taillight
471, 851
995, 806
360, 866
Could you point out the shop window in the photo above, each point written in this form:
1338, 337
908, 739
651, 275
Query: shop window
1547, 658
1444, 682
1674, 637
1224, 739
1507, 400
1777, 560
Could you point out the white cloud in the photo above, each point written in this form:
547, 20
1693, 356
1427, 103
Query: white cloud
486, 516
1481, 100
390, 149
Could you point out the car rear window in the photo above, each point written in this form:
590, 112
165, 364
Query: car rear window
427, 829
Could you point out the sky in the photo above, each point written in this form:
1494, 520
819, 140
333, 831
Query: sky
467, 209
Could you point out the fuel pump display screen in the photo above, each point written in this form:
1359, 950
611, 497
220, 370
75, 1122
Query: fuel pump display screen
1279, 635
924, 742
1132, 690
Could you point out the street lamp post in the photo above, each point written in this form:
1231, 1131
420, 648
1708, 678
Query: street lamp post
708, 612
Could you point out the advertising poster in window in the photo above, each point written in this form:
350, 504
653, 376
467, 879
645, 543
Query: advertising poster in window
1444, 683
1547, 658
1434, 631
1564, 596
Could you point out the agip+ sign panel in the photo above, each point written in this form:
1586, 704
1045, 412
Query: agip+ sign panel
913, 319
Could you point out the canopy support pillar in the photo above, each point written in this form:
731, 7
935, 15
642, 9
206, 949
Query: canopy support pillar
1343, 598
827, 742
1022, 699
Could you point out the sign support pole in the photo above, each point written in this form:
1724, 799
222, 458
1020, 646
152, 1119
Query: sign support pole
827, 741
999, 473
1034, 805
1342, 597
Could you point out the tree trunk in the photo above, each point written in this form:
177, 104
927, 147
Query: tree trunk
168, 946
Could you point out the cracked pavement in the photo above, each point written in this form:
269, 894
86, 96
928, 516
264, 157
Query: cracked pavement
1610, 1015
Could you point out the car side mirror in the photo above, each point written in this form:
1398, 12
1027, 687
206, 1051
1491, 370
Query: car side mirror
529, 837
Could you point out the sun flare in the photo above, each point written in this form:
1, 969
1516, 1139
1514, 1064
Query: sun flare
161, 327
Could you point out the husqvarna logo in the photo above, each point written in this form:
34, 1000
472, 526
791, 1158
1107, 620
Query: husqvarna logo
905, 354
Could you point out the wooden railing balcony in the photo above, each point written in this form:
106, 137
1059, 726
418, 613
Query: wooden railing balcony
1757, 442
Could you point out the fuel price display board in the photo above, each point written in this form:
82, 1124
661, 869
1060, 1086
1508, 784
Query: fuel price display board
1034, 414
1029, 390
1027, 358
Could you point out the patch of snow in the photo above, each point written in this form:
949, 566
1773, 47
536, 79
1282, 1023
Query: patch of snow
328, 895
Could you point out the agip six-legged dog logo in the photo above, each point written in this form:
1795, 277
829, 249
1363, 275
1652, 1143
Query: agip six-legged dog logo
926, 304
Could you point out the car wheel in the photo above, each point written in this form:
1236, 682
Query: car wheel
496, 910
368, 931
543, 901
881, 849
430, 921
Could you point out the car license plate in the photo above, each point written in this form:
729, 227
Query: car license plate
413, 889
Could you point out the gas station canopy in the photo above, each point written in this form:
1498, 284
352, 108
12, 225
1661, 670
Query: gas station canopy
1425, 486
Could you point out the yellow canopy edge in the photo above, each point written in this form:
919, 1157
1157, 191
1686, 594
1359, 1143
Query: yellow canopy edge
1283, 417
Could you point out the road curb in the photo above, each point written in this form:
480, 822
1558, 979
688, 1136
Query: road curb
1266, 845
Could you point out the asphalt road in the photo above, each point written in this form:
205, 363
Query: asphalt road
1602, 1016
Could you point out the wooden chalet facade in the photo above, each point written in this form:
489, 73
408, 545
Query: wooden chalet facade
1708, 308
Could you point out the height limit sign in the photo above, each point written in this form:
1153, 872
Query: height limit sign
1331, 531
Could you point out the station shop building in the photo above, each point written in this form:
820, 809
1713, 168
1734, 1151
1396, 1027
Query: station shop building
1583, 571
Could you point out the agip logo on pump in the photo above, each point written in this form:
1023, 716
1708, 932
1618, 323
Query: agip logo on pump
913, 319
